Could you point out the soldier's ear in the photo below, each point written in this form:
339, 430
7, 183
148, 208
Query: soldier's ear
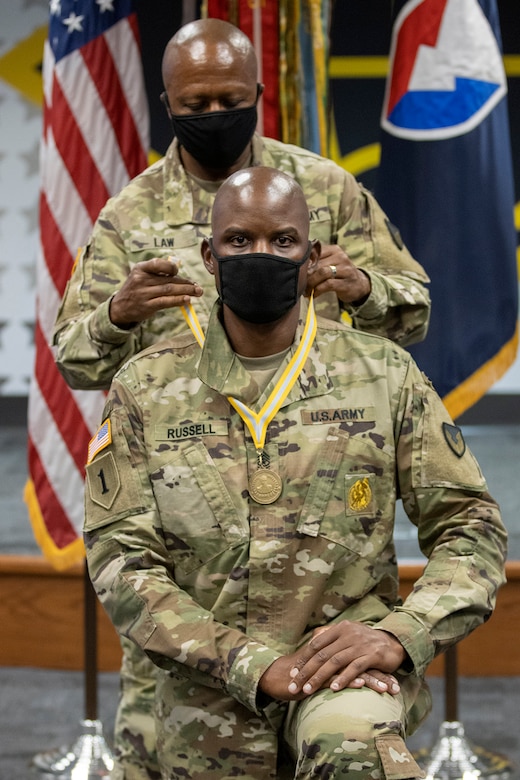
207, 256
314, 256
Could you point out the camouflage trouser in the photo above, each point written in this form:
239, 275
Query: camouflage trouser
134, 733
202, 734
359, 733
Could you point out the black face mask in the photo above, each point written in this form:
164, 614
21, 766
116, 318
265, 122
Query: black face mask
216, 139
259, 287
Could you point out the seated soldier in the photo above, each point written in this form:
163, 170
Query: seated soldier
240, 508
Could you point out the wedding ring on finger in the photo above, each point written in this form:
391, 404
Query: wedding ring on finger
334, 270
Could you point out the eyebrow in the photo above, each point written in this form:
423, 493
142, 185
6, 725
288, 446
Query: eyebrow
287, 229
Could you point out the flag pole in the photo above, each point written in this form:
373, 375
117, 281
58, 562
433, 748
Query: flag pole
90, 645
451, 699
453, 756
89, 757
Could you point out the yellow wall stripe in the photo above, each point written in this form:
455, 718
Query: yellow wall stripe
377, 67
358, 67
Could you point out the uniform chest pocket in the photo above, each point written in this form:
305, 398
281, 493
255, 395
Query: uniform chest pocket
198, 515
351, 498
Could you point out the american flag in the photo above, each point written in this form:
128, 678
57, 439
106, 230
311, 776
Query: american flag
99, 441
95, 138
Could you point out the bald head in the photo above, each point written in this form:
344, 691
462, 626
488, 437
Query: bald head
209, 67
260, 210
261, 193
211, 41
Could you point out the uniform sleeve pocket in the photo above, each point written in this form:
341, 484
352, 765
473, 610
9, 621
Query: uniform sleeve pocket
113, 484
440, 455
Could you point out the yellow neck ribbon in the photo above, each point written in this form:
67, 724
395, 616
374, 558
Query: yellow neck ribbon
257, 423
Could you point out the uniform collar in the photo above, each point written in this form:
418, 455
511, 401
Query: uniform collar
222, 370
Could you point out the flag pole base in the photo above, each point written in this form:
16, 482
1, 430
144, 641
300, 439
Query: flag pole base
89, 758
454, 757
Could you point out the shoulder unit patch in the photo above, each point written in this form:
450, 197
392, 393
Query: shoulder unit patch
454, 439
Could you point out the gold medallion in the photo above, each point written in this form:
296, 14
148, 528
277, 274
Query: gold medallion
359, 495
265, 486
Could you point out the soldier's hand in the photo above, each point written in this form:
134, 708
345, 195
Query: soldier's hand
336, 273
378, 681
337, 657
347, 654
151, 286
276, 679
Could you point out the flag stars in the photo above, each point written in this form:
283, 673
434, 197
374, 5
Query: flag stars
74, 22
55, 7
105, 5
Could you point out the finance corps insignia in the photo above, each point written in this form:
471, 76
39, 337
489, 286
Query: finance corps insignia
359, 495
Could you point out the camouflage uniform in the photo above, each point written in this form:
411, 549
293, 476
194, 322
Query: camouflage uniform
165, 212
214, 587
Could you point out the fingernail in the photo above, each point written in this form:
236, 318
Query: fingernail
359, 681
293, 687
334, 686
381, 684
307, 687
396, 687
294, 671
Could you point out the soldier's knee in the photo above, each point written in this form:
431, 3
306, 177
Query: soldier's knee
357, 733
363, 751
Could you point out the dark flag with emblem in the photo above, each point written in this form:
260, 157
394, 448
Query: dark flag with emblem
95, 138
446, 179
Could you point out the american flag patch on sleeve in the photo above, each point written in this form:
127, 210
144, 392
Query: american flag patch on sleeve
99, 441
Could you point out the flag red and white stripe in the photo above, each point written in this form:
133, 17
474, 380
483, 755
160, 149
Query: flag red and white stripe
95, 139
